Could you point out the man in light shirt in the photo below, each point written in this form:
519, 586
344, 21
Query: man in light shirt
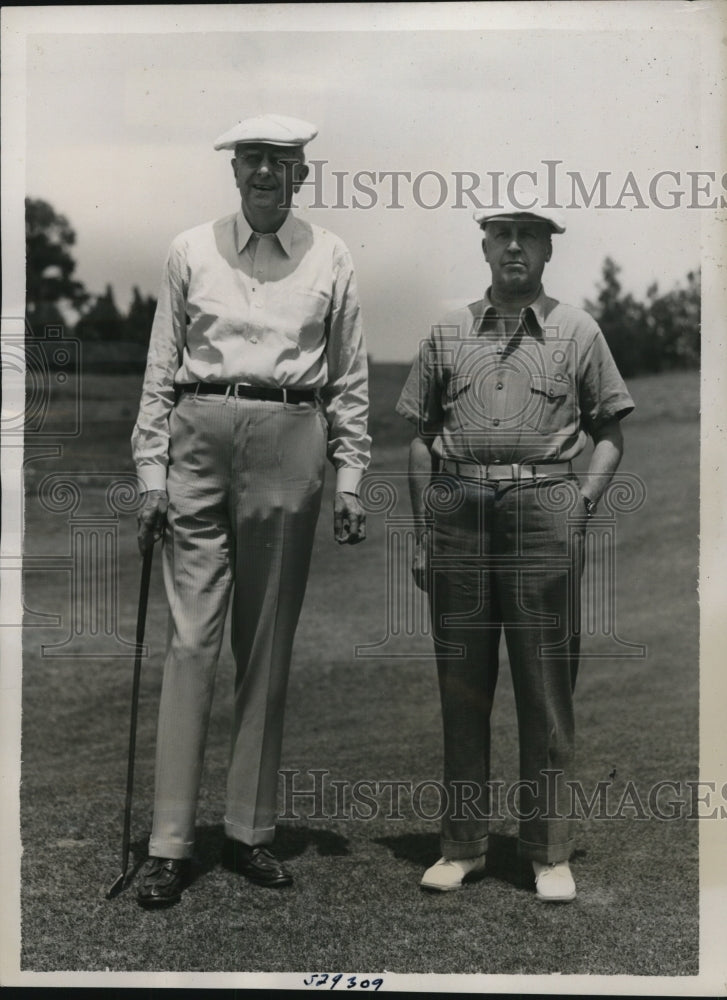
256, 373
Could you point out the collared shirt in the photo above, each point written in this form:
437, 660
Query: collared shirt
278, 309
532, 396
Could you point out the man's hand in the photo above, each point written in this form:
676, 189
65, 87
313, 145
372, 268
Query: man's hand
349, 519
420, 562
151, 518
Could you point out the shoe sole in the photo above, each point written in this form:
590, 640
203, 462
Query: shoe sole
158, 904
556, 899
470, 877
430, 887
279, 883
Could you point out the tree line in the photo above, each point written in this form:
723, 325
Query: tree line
111, 339
658, 334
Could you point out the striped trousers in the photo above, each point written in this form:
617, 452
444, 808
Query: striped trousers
244, 484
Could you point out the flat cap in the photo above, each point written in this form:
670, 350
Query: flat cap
522, 205
275, 130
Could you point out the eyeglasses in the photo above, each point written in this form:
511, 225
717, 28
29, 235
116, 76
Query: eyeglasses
253, 158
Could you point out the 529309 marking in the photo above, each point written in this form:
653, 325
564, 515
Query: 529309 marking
330, 982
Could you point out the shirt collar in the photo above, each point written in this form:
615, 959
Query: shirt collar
284, 235
536, 309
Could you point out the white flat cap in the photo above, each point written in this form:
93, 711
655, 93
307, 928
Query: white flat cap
523, 205
275, 130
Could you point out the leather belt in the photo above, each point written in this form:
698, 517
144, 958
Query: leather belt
249, 391
496, 472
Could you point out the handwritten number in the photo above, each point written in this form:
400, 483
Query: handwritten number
352, 982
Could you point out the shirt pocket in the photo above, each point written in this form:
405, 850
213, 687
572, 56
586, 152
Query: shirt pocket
551, 407
458, 400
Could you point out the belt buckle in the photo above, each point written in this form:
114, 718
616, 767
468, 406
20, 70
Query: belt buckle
285, 394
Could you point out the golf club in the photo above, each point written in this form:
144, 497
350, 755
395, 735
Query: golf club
140, 623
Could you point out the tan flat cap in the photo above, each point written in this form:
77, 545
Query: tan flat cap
275, 130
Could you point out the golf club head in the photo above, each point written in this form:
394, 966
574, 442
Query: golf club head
117, 887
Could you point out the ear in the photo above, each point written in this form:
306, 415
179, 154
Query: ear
233, 163
484, 248
549, 251
300, 174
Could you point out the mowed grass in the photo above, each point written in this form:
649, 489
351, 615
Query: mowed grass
356, 905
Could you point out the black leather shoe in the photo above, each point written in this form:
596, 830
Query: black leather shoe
258, 864
163, 881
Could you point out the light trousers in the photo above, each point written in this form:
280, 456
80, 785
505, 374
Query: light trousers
244, 485
508, 557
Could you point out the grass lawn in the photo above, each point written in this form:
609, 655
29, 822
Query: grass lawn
356, 904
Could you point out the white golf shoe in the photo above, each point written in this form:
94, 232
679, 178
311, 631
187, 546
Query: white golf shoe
448, 873
554, 882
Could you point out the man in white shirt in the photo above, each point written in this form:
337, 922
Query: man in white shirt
256, 372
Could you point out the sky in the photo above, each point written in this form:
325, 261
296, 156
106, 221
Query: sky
120, 125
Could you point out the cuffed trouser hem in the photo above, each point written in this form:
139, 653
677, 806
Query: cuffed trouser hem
248, 835
546, 854
159, 848
457, 850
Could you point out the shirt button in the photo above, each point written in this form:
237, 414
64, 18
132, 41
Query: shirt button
253, 340
499, 350
551, 392
496, 422
499, 385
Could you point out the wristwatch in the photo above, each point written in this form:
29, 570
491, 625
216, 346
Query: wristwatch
590, 506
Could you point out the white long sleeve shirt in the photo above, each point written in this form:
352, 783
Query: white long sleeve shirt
278, 309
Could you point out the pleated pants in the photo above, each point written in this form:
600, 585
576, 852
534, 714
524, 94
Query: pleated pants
244, 484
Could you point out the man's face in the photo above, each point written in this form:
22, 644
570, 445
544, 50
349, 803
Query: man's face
267, 176
517, 252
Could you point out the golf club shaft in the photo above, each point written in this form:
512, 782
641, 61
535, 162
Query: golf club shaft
140, 626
